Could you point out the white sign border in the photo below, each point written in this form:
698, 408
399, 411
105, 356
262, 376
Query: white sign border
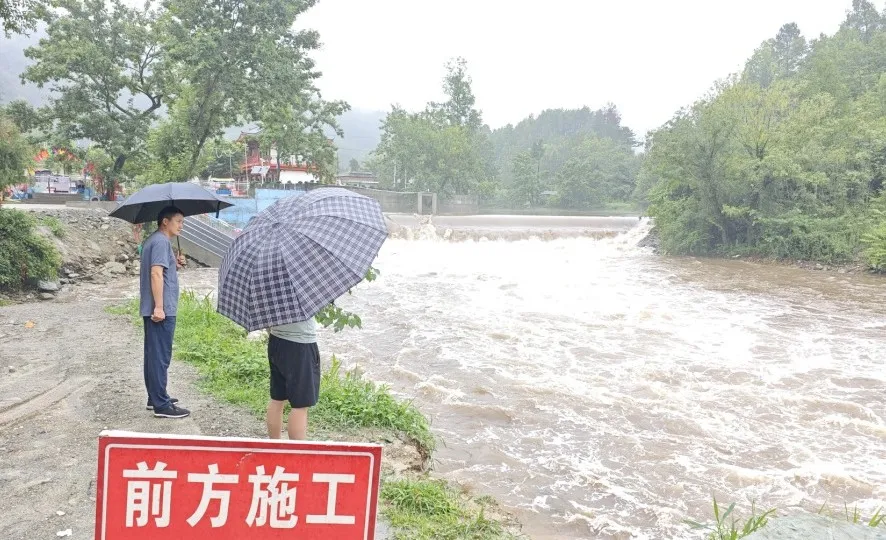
111, 446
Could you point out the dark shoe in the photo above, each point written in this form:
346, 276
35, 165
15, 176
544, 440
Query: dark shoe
172, 411
150, 407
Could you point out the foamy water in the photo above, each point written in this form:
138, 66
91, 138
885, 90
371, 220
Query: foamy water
598, 390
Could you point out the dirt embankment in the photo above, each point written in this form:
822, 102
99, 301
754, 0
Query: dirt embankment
94, 248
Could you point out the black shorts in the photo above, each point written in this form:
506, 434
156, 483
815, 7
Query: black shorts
295, 372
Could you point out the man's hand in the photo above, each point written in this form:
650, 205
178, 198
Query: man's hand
158, 315
180, 261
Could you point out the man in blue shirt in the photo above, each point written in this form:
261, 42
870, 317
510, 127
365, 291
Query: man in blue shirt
158, 307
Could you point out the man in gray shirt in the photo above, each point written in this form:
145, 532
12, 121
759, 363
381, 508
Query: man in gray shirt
158, 308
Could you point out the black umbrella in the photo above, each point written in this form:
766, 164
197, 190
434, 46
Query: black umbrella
144, 205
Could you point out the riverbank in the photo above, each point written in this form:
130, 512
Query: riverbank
72, 367
233, 369
652, 241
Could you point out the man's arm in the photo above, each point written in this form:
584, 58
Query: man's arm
157, 292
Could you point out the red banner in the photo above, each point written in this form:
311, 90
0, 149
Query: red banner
183, 487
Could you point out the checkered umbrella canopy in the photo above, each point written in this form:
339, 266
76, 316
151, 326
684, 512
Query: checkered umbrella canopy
298, 255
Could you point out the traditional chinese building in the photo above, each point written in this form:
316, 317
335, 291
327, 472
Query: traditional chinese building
258, 168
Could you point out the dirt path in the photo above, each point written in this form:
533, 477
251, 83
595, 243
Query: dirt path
76, 372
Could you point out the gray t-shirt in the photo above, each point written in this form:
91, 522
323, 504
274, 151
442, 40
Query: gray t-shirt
157, 251
300, 332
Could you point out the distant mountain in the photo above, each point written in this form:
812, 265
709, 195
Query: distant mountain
362, 134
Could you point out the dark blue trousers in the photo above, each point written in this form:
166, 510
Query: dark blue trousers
158, 356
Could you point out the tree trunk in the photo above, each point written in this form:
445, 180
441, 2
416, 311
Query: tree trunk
110, 183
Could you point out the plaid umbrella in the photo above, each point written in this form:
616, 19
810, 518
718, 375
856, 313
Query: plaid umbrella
298, 255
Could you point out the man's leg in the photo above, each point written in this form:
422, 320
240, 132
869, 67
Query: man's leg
167, 335
298, 424
303, 387
146, 321
274, 419
155, 374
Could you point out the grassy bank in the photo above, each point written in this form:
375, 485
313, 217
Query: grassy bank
235, 370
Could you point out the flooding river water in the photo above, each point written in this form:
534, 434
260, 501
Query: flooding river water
598, 390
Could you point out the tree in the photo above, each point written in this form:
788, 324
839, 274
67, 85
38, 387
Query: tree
222, 159
864, 18
777, 58
601, 173
15, 153
790, 49
103, 63
527, 181
789, 161
458, 109
441, 149
25, 117
18, 16
298, 129
354, 165
243, 61
170, 148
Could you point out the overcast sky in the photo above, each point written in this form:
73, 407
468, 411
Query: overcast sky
649, 57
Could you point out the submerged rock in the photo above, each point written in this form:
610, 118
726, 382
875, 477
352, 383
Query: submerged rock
651, 240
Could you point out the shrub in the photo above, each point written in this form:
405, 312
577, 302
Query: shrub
25, 256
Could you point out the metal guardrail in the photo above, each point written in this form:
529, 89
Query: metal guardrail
215, 240
217, 224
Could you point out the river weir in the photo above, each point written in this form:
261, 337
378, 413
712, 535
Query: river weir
599, 390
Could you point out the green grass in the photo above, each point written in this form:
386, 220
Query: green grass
236, 370
724, 528
429, 509
854, 516
349, 401
53, 224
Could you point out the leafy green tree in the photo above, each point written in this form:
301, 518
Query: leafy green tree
787, 161
15, 153
602, 172
223, 159
354, 165
242, 61
442, 149
25, 255
102, 62
565, 133
18, 16
527, 182
27, 119
864, 18
299, 129
458, 109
